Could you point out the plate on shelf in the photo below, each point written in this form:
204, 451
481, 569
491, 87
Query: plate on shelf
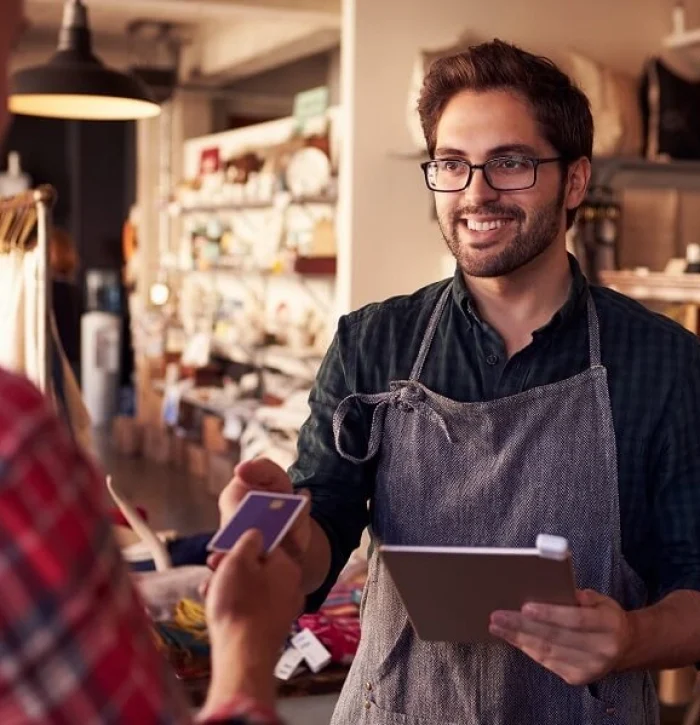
308, 172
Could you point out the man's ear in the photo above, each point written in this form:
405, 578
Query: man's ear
579, 176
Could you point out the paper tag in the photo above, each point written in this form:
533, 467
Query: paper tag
288, 663
315, 654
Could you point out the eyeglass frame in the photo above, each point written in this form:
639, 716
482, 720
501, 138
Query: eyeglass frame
536, 162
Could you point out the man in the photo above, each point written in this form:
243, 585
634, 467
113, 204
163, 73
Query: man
76, 646
512, 400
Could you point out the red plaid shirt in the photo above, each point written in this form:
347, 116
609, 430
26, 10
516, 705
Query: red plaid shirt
75, 645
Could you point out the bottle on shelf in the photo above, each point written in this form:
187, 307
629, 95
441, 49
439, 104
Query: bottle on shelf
692, 259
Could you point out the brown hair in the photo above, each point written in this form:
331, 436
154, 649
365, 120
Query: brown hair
561, 109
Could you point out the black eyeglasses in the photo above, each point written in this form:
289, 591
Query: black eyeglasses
504, 173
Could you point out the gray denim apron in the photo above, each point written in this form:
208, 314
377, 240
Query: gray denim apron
494, 473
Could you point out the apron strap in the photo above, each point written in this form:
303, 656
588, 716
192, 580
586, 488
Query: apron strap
430, 333
379, 401
593, 333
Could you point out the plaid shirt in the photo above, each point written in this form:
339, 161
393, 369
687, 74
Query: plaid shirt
654, 381
75, 644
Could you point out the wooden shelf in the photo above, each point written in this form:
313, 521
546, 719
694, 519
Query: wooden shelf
251, 205
639, 172
654, 286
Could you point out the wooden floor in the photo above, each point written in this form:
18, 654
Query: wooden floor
172, 498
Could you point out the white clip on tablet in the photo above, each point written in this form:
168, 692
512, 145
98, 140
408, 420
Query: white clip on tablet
552, 547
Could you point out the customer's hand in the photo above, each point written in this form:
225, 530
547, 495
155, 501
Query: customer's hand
262, 474
251, 603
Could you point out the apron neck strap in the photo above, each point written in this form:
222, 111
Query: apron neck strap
593, 332
430, 333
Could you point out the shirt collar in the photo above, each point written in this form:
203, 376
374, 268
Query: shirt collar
574, 304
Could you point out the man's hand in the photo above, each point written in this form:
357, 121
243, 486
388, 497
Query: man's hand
264, 475
251, 603
580, 644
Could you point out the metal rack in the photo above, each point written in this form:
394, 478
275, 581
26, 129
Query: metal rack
19, 217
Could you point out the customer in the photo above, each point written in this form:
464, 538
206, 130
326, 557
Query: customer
76, 645
511, 400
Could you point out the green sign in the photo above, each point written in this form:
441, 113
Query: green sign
309, 104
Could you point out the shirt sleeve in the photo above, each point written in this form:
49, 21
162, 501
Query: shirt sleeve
675, 468
340, 490
77, 645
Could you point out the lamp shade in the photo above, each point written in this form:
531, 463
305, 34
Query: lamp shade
75, 84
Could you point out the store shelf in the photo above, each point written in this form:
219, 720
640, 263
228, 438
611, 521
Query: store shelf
654, 286
639, 172
251, 205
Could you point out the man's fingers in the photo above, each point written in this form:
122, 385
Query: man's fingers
213, 560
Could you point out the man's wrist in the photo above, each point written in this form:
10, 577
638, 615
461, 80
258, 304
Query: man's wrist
242, 664
635, 622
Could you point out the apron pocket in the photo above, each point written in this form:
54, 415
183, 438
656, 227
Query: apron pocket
376, 716
598, 711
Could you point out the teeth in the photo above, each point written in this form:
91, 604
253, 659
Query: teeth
485, 226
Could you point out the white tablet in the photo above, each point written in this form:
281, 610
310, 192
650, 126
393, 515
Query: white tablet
450, 593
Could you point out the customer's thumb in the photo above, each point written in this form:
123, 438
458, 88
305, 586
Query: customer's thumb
249, 548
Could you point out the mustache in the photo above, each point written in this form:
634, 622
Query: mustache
514, 212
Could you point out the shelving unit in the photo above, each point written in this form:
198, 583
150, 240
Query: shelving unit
250, 205
640, 172
654, 286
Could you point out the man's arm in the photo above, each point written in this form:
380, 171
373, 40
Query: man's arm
339, 489
77, 645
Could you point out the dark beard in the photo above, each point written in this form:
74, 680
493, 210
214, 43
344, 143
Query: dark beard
526, 245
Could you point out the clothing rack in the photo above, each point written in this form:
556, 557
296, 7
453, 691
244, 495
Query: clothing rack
19, 217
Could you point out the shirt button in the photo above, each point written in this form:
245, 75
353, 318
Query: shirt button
610, 711
492, 359
369, 687
367, 705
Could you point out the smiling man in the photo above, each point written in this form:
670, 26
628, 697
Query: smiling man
569, 410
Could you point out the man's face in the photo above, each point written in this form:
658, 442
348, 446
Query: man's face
492, 233
10, 26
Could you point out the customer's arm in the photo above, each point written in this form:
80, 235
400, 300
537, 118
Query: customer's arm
77, 645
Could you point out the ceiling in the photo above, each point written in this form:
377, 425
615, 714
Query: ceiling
111, 17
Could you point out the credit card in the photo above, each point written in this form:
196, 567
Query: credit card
271, 513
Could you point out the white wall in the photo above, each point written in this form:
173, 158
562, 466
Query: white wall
389, 243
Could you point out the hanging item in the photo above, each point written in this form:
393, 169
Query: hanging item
29, 341
75, 84
614, 102
671, 106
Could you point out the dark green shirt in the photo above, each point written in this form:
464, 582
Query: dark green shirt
653, 369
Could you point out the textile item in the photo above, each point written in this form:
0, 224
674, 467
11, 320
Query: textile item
671, 107
654, 380
77, 646
614, 100
452, 473
19, 338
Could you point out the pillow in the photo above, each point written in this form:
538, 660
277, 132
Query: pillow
671, 106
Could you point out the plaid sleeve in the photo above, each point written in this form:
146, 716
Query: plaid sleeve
76, 646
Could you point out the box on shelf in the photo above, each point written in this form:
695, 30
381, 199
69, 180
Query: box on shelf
127, 436
315, 265
157, 444
197, 460
212, 435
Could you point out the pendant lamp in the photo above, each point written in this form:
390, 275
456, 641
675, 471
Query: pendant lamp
75, 84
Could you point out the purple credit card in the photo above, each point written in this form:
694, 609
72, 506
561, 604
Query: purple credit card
271, 513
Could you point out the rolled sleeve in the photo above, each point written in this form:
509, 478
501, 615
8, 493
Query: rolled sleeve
676, 492
339, 489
